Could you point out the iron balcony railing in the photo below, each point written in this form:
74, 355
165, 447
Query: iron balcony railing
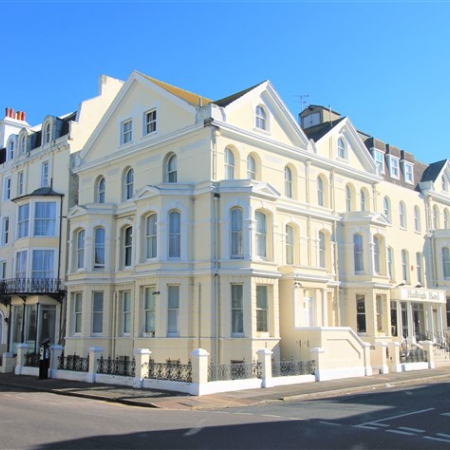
17, 286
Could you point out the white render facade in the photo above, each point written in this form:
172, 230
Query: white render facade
226, 226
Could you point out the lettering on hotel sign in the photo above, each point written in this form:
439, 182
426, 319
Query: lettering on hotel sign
422, 294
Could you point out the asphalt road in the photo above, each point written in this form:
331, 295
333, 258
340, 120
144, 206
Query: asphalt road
415, 418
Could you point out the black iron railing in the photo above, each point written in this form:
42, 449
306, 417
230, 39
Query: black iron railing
170, 370
288, 368
73, 362
120, 365
234, 371
30, 286
31, 360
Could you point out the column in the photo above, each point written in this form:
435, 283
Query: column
431, 320
324, 307
265, 358
409, 311
55, 354
142, 359
199, 360
394, 356
439, 326
94, 354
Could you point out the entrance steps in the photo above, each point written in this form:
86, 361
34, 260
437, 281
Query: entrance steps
441, 357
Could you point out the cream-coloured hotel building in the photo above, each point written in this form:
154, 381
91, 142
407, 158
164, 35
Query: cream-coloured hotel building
233, 226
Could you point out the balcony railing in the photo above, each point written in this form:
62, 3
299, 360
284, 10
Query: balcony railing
23, 286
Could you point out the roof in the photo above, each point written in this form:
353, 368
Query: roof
316, 132
193, 99
41, 192
231, 98
433, 170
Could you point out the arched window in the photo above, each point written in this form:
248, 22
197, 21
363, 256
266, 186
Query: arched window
288, 182
172, 169
402, 214
387, 208
417, 225
289, 244
358, 252
435, 217
342, 153
446, 262
23, 142
101, 190
348, 198
229, 164
251, 167
80, 249
363, 200
128, 246
129, 184
237, 249
446, 219
174, 234
11, 150
390, 263
261, 234
376, 255
405, 266
322, 250
47, 133
99, 248
151, 237
261, 118
320, 191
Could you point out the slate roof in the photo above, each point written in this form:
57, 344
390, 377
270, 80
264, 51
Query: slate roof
41, 192
317, 132
433, 170
231, 98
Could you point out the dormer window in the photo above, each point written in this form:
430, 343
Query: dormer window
408, 172
341, 149
394, 167
10, 150
261, 118
47, 133
378, 157
22, 145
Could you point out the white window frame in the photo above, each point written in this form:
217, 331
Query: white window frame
261, 120
23, 221
45, 171
151, 236
394, 167
237, 233
80, 249
251, 168
7, 188
77, 298
125, 316
6, 230
126, 132
262, 309
20, 183
408, 172
150, 122
149, 315
99, 248
237, 310
173, 310
97, 312
45, 226
341, 149
378, 157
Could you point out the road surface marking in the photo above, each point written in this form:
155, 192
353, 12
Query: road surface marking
445, 414
366, 427
270, 415
330, 423
378, 422
414, 430
436, 439
443, 435
193, 431
400, 432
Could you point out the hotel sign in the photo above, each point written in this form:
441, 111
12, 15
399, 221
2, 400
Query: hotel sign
418, 294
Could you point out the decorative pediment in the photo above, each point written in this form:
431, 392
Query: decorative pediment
265, 190
76, 211
147, 191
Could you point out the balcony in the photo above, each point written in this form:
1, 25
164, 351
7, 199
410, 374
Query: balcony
23, 287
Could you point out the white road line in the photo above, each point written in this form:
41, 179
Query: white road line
244, 414
436, 439
414, 430
378, 422
445, 414
330, 423
400, 432
443, 435
366, 427
270, 415
378, 425
193, 431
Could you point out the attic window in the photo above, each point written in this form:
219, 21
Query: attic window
444, 184
408, 172
22, 145
261, 118
378, 157
342, 149
47, 133
126, 132
150, 121
394, 168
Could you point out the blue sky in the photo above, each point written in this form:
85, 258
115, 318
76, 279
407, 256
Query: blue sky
385, 65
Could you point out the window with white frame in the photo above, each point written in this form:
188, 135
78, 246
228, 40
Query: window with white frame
23, 145
394, 167
417, 225
44, 218
97, 312
99, 248
174, 234
3, 274
444, 183
379, 312
80, 249
43, 264
390, 263
229, 164
405, 265
320, 191
402, 215
11, 150
151, 236
172, 171
290, 244
363, 200
348, 198
44, 174
150, 311
173, 309
150, 122
23, 220
358, 252
377, 255
237, 310
7, 188
361, 314
288, 182
77, 312
322, 250
435, 217
262, 309
21, 264
126, 313
387, 208
261, 118
5, 231
101, 190
20, 183
126, 131
342, 150
237, 248
378, 157
408, 172
419, 265
261, 234
251, 167
446, 219
128, 246
446, 262
47, 133
129, 184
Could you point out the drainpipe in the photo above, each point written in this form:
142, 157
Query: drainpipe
216, 243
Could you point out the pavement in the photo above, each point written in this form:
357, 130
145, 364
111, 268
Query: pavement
247, 397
